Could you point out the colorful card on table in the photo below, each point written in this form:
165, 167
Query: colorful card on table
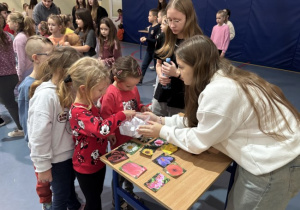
169, 148
158, 142
157, 182
144, 139
174, 170
148, 150
163, 160
133, 169
116, 156
130, 147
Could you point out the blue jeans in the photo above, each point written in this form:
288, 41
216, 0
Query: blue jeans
63, 189
149, 56
273, 190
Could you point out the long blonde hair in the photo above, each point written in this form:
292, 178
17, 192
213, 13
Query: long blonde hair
58, 62
190, 29
201, 54
93, 9
86, 71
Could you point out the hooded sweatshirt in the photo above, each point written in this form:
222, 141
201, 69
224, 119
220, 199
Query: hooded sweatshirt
49, 133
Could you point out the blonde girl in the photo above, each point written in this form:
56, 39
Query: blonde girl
85, 82
182, 21
43, 29
109, 45
254, 124
49, 133
57, 29
24, 29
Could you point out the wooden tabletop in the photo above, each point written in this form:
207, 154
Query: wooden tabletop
181, 192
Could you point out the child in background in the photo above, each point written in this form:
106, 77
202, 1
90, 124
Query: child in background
120, 12
229, 23
43, 29
86, 32
3, 11
79, 4
57, 29
37, 48
220, 34
110, 49
67, 22
24, 29
8, 78
49, 133
152, 32
123, 95
25, 7
120, 32
86, 81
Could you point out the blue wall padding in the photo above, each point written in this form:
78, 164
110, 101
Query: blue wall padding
267, 31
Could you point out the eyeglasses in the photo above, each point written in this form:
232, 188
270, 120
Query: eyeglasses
43, 54
175, 22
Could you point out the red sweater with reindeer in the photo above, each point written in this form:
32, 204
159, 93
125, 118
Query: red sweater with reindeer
90, 135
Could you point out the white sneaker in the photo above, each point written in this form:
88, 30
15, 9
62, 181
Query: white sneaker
16, 133
151, 67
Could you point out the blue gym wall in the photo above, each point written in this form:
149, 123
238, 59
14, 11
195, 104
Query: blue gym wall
267, 31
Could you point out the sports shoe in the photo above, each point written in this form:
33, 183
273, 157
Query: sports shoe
152, 68
47, 206
16, 133
2, 122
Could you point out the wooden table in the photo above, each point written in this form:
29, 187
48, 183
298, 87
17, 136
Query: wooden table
141, 32
181, 192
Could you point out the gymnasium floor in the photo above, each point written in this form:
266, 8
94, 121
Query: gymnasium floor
17, 179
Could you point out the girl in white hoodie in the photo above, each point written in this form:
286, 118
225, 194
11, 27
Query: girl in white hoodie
49, 133
241, 115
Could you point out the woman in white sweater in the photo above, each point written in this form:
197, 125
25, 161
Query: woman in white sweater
243, 116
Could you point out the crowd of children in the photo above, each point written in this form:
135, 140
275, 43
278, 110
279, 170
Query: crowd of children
73, 79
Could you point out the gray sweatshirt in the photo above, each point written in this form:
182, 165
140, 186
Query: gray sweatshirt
41, 13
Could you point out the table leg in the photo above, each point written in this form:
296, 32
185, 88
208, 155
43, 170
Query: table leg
116, 186
140, 47
231, 169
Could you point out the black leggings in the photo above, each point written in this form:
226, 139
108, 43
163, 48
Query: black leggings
92, 187
7, 96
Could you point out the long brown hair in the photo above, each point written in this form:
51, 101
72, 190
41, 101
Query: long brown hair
58, 62
25, 25
85, 15
125, 67
162, 5
93, 9
190, 29
32, 4
112, 36
78, 5
4, 41
201, 54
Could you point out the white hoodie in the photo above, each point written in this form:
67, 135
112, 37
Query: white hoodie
49, 133
227, 122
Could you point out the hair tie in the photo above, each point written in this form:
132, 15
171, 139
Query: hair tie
119, 72
139, 70
68, 79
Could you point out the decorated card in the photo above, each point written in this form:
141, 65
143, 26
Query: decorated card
163, 160
148, 150
116, 156
158, 142
130, 147
169, 148
174, 170
157, 182
133, 169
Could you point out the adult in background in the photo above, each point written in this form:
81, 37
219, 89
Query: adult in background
31, 7
43, 9
97, 13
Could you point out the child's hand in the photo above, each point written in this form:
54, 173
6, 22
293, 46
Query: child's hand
143, 39
67, 44
145, 109
129, 114
163, 80
222, 55
112, 139
153, 117
45, 176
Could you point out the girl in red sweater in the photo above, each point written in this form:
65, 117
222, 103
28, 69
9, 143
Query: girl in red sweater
89, 80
